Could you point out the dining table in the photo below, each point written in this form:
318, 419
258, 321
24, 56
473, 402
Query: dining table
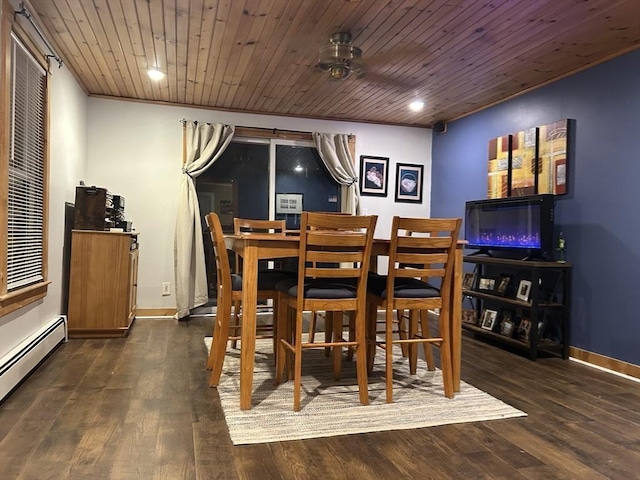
253, 247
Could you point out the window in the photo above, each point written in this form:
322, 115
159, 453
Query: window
23, 170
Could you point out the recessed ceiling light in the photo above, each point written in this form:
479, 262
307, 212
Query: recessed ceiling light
298, 168
155, 74
416, 106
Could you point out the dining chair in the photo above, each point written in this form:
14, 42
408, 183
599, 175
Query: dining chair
333, 267
414, 262
267, 277
228, 293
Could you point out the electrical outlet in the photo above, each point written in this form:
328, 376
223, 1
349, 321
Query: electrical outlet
166, 288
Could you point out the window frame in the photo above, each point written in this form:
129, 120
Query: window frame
22, 296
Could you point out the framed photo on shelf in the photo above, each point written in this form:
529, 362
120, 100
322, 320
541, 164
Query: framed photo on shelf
469, 315
409, 183
503, 283
469, 280
374, 175
487, 283
506, 328
489, 318
524, 290
524, 329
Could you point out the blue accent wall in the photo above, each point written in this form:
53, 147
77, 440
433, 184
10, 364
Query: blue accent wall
600, 215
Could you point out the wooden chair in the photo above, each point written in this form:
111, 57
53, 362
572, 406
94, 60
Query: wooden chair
228, 293
325, 240
267, 278
412, 260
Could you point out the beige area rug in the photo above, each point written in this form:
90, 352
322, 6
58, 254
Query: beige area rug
332, 408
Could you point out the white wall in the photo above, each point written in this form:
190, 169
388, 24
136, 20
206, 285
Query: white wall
67, 160
135, 150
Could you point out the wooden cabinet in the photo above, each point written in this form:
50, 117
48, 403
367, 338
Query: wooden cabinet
102, 283
538, 293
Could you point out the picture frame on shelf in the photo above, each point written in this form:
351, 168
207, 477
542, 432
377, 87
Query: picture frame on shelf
524, 329
524, 290
409, 179
489, 318
469, 315
507, 327
486, 284
503, 284
469, 280
374, 175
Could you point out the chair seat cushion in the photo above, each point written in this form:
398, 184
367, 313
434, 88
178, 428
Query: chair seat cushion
236, 282
403, 287
320, 288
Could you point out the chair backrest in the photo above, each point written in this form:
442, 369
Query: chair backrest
327, 239
223, 268
423, 248
248, 225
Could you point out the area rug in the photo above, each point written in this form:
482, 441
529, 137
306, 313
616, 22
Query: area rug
332, 408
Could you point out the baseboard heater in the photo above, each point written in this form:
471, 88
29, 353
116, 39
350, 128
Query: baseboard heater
16, 365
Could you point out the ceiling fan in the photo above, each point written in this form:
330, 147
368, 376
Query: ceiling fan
340, 57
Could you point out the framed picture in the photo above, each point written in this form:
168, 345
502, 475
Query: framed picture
486, 283
374, 175
524, 329
506, 328
489, 319
524, 290
503, 283
469, 315
468, 281
409, 183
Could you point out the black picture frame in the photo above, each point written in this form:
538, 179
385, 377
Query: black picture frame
469, 280
502, 285
409, 183
374, 176
487, 284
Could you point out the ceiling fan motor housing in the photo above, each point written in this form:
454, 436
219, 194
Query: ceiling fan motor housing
340, 57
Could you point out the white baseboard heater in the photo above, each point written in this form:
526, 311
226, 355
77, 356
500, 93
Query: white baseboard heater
16, 365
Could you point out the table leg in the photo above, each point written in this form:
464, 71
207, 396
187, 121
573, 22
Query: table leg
456, 315
248, 336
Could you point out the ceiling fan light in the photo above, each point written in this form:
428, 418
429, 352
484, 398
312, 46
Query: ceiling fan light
339, 72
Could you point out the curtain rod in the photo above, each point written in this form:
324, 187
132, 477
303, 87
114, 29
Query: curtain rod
23, 11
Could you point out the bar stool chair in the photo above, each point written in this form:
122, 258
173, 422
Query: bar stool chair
229, 292
412, 260
267, 278
325, 240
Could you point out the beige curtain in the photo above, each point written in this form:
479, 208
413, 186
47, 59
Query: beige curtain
204, 145
334, 152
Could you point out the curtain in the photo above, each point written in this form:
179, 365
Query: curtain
204, 145
334, 152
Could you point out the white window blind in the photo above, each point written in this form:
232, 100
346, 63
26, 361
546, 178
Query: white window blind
25, 229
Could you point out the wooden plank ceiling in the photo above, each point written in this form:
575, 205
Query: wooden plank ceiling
458, 56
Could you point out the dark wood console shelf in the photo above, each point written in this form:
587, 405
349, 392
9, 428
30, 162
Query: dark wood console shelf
546, 306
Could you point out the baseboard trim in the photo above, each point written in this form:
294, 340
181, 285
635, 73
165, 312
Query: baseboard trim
603, 361
155, 312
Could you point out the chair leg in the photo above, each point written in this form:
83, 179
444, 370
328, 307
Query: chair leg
361, 357
402, 331
428, 348
220, 339
283, 333
312, 326
445, 352
352, 333
388, 340
274, 325
372, 324
297, 374
413, 347
337, 348
328, 331
236, 323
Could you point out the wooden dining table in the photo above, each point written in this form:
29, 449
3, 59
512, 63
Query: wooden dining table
253, 247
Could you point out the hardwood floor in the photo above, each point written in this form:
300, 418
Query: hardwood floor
141, 408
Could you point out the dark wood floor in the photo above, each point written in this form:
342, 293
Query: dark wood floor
140, 408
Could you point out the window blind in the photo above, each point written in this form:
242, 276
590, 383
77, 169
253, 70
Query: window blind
25, 199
